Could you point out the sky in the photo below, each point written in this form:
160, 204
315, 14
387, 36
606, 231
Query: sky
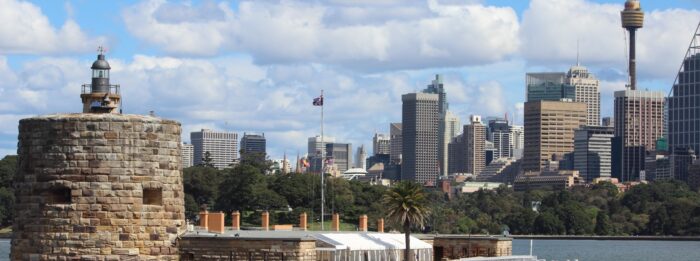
255, 66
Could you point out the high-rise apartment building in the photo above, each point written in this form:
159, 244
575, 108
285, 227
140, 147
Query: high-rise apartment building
187, 155
420, 117
639, 124
549, 131
587, 91
548, 87
381, 144
499, 133
222, 147
593, 152
396, 140
253, 143
340, 154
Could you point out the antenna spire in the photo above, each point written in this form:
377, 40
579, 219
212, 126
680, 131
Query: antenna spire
577, 53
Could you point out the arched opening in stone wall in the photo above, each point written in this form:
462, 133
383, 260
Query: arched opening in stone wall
153, 196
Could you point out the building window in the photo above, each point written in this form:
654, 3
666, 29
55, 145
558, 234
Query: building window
153, 196
60, 195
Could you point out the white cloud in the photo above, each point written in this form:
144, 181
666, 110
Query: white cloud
363, 37
550, 31
24, 29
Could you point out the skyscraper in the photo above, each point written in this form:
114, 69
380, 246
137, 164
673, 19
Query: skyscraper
437, 87
361, 158
587, 91
253, 143
381, 144
340, 155
187, 155
499, 133
474, 136
467, 151
396, 137
639, 124
684, 103
549, 131
548, 87
420, 117
222, 147
451, 127
592, 152
315, 146
517, 140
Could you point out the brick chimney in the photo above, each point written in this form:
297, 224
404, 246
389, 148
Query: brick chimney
204, 219
265, 221
380, 225
216, 223
302, 221
236, 220
363, 223
335, 224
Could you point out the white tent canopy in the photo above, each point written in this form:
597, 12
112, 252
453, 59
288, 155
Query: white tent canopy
370, 241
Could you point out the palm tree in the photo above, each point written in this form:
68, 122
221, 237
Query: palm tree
407, 206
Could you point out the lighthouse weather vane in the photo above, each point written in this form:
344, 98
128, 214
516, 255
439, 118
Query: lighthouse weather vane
101, 50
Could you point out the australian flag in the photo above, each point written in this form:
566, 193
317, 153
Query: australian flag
318, 101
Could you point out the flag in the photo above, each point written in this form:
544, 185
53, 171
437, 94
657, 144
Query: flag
318, 101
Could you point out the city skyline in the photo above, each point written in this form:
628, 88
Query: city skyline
238, 84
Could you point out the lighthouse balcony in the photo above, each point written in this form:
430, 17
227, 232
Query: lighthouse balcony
111, 89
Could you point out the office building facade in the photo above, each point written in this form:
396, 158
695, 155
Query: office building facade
548, 87
684, 102
396, 140
549, 131
499, 133
222, 147
517, 140
593, 152
253, 144
340, 155
187, 155
381, 144
587, 89
420, 120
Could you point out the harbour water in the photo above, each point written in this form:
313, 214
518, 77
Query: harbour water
583, 250
617, 250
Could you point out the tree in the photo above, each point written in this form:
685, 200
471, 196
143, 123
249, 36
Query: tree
407, 206
548, 224
603, 227
201, 185
245, 188
207, 161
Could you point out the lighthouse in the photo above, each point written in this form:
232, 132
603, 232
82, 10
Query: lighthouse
100, 96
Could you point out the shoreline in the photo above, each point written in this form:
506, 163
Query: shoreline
571, 237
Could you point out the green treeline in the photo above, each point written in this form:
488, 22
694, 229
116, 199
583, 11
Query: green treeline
664, 208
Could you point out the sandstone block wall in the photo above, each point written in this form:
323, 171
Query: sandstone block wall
227, 248
98, 187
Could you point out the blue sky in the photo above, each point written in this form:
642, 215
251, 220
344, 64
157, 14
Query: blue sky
254, 66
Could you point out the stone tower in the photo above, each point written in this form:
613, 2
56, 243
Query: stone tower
98, 186
100, 96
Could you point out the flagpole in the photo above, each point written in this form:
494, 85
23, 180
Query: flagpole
323, 161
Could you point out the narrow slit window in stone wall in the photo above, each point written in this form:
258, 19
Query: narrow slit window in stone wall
59, 196
153, 196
